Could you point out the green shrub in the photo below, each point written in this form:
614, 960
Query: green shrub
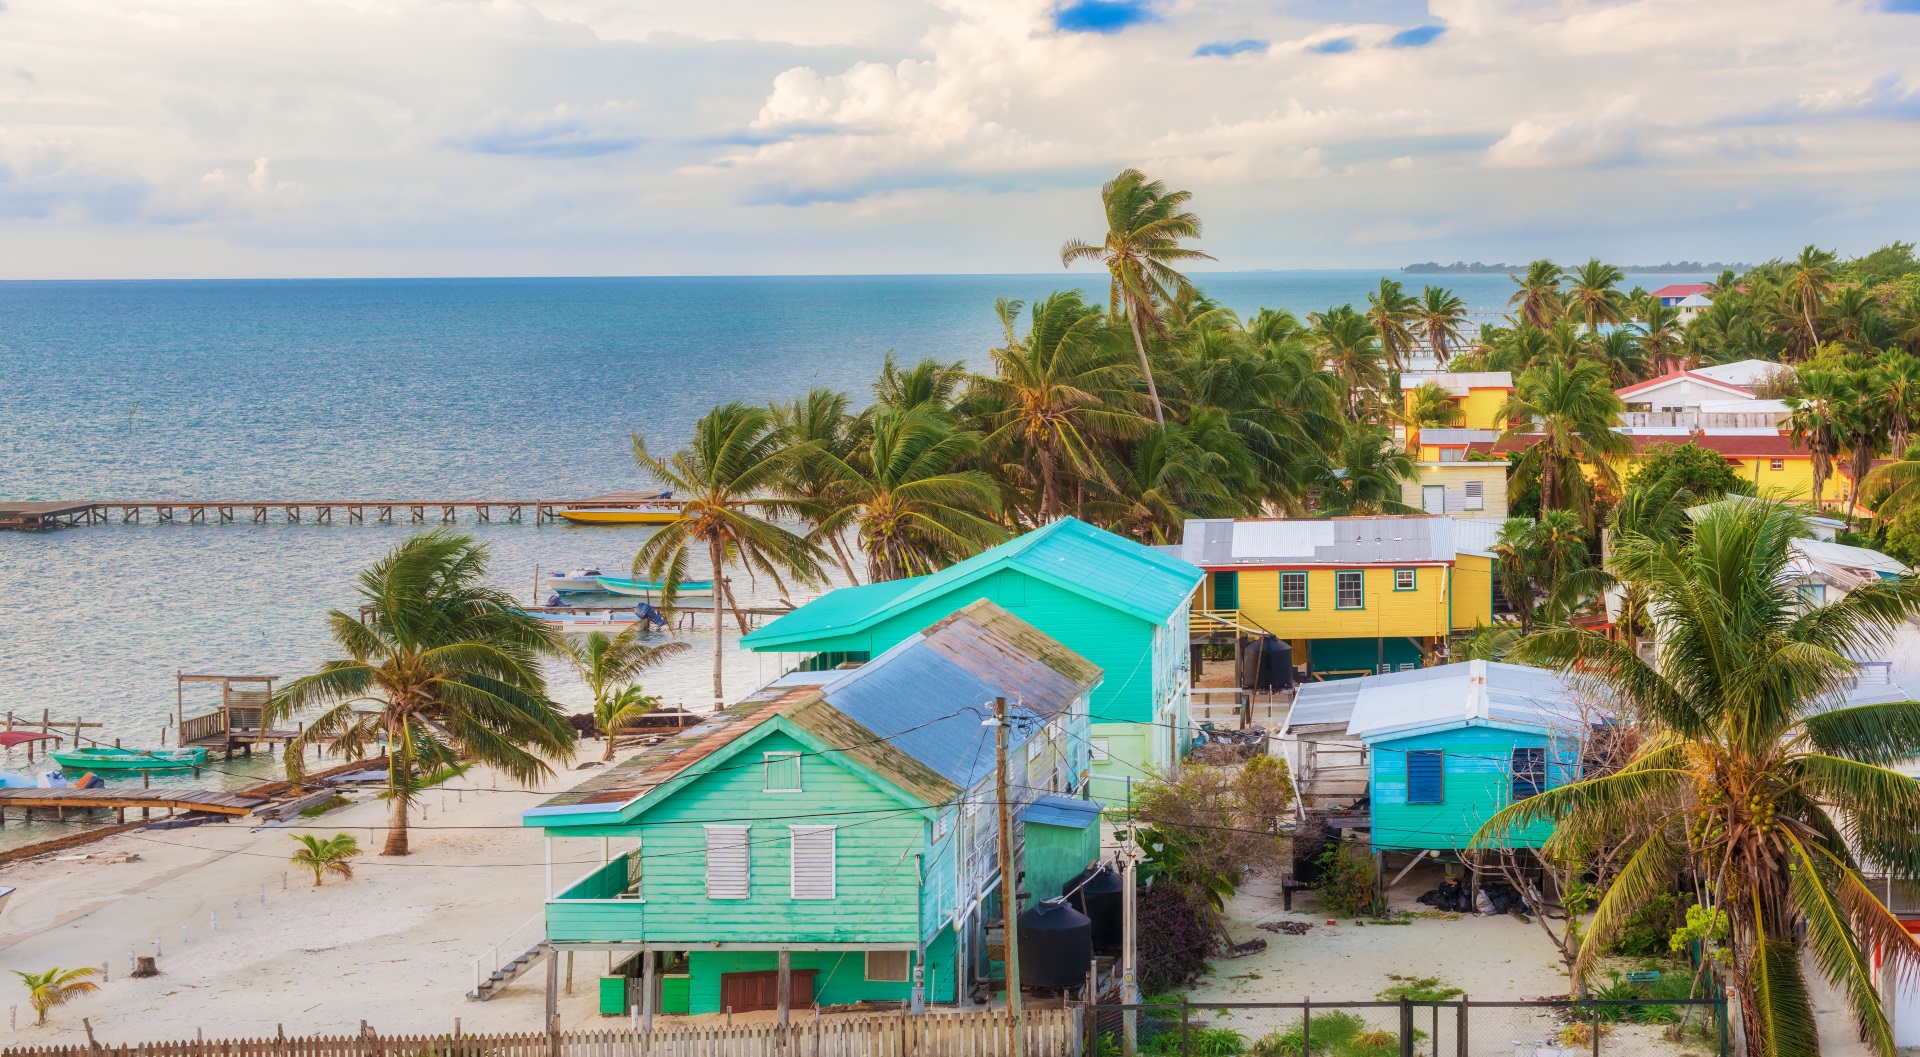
1644, 934
1418, 989
1337, 1034
1346, 884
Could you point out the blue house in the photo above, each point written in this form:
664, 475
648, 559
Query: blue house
834, 837
1120, 605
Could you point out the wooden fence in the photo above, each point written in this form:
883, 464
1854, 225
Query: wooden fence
1049, 1033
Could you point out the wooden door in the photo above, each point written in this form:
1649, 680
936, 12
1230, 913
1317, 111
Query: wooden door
745, 992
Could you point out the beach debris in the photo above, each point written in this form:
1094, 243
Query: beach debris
107, 857
1291, 928
1252, 946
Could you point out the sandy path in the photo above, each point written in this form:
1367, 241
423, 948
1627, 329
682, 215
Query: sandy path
392, 946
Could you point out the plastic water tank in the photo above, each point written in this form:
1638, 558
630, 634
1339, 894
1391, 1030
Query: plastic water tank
1100, 899
1056, 946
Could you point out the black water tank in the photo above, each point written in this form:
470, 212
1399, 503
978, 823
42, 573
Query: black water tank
1097, 893
1056, 946
1276, 665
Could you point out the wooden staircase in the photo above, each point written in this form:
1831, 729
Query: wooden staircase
510, 972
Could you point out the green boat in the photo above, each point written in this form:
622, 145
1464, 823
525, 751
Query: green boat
102, 758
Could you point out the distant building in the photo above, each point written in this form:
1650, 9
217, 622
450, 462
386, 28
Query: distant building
1680, 391
1692, 305
1672, 296
1478, 394
1742, 372
1458, 489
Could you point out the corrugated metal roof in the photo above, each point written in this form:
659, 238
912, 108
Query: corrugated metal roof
1826, 552
1441, 436
1377, 706
1061, 811
1457, 382
1214, 543
1092, 562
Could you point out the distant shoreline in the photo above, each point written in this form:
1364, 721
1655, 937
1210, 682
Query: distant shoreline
1477, 268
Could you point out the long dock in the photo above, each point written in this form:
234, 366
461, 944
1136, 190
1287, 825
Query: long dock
234, 804
73, 514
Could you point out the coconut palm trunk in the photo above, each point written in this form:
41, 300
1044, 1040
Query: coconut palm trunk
714, 552
1146, 368
399, 792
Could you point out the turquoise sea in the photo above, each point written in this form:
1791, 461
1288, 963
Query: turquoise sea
362, 389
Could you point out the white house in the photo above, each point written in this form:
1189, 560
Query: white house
1742, 372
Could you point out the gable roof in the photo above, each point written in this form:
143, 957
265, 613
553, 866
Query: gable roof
1458, 383
1468, 693
1221, 543
1070, 554
1681, 290
1741, 372
1682, 375
910, 717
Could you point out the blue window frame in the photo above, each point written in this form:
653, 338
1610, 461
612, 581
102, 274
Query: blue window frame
1425, 782
1529, 772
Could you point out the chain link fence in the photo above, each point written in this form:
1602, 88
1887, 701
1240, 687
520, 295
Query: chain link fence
1458, 1028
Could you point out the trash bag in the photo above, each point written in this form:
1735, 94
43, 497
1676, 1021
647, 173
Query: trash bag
1451, 895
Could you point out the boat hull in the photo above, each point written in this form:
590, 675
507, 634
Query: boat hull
156, 760
582, 625
650, 588
620, 517
574, 585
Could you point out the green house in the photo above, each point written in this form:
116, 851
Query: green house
838, 827
1118, 604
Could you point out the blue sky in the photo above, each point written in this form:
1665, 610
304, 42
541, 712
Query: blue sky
515, 137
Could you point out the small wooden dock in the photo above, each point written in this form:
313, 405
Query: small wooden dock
237, 723
33, 516
119, 799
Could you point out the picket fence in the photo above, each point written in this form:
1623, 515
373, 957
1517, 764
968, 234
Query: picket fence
1049, 1033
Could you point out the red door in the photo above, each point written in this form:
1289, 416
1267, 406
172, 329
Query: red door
745, 992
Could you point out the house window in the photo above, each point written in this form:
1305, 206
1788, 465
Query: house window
782, 772
1036, 745
1776, 464
1099, 750
1529, 772
727, 862
1453, 455
1349, 589
1293, 590
1424, 771
1226, 590
1813, 594
1433, 498
1476, 495
941, 824
812, 862
888, 967
1404, 580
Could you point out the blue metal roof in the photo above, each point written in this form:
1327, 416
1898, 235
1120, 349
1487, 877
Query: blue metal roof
1071, 554
1051, 810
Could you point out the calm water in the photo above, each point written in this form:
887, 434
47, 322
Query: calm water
404, 389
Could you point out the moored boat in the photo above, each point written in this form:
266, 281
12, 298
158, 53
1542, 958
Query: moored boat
575, 581
106, 758
650, 588
624, 508
612, 622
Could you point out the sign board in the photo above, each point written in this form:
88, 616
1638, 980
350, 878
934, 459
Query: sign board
1643, 978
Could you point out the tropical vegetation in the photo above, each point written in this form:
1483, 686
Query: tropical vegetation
56, 987
325, 855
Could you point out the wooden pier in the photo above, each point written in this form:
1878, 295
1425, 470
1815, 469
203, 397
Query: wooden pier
119, 799
35, 516
236, 724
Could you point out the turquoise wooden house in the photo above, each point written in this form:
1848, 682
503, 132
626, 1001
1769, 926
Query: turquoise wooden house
835, 831
1445, 747
1121, 605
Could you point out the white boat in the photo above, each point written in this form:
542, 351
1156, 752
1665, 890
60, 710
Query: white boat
575, 581
651, 588
613, 622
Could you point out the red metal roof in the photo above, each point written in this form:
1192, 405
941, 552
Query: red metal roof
1674, 376
1682, 290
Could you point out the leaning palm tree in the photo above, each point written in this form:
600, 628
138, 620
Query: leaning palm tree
1565, 415
607, 664
325, 855
1391, 311
1439, 316
1169, 479
820, 429
1145, 225
56, 987
439, 667
1816, 421
1351, 351
916, 511
1809, 278
1538, 301
725, 479
1754, 776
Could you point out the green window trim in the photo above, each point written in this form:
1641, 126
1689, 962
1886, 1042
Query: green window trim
1360, 582
1301, 579
1413, 579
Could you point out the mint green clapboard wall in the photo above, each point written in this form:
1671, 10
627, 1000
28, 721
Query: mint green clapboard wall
877, 884
1121, 644
1055, 855
1476, 781
839, 976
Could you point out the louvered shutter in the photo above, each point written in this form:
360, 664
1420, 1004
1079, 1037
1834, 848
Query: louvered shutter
813, 873
727, 862
1423, 777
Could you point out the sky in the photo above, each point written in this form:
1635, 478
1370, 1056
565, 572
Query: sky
292, 138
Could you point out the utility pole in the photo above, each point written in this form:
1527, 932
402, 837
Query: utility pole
1130, 940
1009, 907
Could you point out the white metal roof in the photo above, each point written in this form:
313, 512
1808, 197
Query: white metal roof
1742, 372
1457, 382
1826, 552
1377, 707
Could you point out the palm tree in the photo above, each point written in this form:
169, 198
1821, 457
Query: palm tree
1566, 414
1169, 480
1057, 394
1440, 315
325, 855
1369, 475
1899, 393
1538, 299
606, 664
724, 479
439, 667
820, 430
1514, 562
1815, 422
1431, 407
1349, 348
56, 987
1145, 225
1808, 279
1753, 777
1863, 430
1390, 311
929, 383
915, 511
1592, 296
1661, 336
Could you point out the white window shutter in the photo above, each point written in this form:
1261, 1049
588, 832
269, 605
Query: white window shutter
727, 862
813, 873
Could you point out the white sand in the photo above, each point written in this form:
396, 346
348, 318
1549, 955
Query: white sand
392, 946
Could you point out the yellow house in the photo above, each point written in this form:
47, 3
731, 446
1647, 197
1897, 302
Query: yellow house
1353, 596
1478, 394
1457, 489
1774, 464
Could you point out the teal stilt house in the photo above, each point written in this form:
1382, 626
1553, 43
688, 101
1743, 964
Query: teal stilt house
1121, 605
837, 828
